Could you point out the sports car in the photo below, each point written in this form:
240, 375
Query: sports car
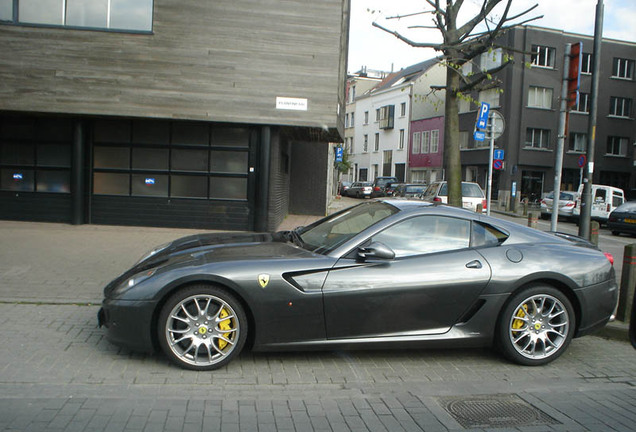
385, 273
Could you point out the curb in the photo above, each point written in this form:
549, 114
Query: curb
615, 330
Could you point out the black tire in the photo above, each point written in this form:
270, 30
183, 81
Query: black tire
526, 335
202, 327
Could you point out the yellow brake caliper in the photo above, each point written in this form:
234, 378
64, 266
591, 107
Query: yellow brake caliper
517, 324
224, 325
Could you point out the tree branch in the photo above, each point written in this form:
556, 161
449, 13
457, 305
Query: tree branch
408, 41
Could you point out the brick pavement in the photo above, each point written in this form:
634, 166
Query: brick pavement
58, 373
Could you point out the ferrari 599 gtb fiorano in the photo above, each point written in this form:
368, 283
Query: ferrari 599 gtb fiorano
385, 273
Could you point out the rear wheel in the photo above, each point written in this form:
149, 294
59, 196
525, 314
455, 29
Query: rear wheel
202, 328
536, 326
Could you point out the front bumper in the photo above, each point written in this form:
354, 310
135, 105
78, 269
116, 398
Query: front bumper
128, 323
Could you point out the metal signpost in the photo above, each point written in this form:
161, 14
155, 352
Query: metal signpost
493, 122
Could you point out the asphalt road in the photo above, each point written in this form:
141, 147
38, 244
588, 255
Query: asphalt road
58, 373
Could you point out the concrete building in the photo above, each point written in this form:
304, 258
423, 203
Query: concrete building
162, 113
530, 105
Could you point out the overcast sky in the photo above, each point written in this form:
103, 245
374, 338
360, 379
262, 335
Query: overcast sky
371, 47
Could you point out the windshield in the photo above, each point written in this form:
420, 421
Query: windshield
329, 233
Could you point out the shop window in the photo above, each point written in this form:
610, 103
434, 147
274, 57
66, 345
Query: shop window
189, 160
228, 188
228, 162
150, 185
230, 137
193, 134
111, 183
112, 131
188, 186
54, 155
112, 157
53, 181
150, 159
17, 153
151, 132
16, 180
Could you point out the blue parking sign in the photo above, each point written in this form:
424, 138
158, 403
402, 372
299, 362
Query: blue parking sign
479, 136
482, 121
339, 153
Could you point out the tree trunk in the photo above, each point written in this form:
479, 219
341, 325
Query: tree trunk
452, 159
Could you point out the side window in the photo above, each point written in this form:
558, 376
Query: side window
426, 234
600, 196
485, 235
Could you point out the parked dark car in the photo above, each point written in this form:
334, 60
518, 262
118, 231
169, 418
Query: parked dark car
409, 190
344, 187
386, 273
381, 184
623, 219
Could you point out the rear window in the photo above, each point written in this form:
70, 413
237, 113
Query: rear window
471, 190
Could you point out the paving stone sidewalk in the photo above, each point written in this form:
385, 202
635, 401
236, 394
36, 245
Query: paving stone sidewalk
58, 373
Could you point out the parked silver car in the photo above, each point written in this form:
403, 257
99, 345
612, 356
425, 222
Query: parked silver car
360, 190
567, 200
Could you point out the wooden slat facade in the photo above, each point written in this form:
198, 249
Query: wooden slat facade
222, 61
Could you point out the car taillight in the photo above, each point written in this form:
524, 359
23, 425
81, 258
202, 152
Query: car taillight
609, 207
609, 257
376, 188
569, 205
484, 204
437, 199
543, 202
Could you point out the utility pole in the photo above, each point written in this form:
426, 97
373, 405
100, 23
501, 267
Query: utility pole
558, 166
586, 198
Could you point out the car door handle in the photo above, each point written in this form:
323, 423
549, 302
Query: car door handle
474, 264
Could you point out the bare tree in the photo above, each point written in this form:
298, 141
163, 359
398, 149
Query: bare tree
460, 45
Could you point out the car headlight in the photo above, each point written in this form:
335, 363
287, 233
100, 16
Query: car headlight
134, 281
153, 252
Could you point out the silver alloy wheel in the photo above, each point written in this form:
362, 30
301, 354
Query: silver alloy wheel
539, 326
202, 330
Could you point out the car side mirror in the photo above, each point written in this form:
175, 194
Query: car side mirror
376, 250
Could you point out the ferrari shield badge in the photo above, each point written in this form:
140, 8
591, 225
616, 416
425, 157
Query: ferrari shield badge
263, 279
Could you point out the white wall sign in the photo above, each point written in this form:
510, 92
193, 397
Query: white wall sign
296, 104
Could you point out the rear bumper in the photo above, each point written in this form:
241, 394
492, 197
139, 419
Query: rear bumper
598, 303
128, 323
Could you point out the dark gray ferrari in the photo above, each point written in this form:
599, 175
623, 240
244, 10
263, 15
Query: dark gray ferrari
385, 273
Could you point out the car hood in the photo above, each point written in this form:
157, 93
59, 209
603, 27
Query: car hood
223, 246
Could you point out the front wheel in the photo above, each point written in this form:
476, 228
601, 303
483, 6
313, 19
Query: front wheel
536, 326
202, 328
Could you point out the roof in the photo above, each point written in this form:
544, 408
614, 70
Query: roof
408, 74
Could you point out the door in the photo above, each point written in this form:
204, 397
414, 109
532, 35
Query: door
434, 278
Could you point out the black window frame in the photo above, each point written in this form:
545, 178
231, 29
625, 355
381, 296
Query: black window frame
15, 20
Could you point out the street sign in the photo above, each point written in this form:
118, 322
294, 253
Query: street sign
339, 153
497, 124
479, 135
582, 160
482, 120
498, 154
497, 164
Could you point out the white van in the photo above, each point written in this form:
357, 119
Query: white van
604, 200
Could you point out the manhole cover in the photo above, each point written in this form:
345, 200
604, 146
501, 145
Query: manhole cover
494, 411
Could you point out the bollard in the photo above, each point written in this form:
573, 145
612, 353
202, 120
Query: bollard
533, 220
628, 284
594, 227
